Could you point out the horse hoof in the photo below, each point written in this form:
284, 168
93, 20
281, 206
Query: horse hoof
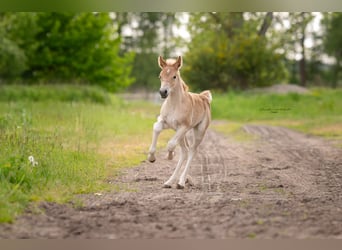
170, 155
151, 158
189, 181
180, 186
166, 186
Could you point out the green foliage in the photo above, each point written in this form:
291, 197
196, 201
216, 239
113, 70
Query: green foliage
333, 36
150, 35
78, 146
297, 34
332, 42
145, 71
12, 59
17, 31
231, 57
80, 47
52, 47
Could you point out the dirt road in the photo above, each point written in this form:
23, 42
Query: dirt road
282, 185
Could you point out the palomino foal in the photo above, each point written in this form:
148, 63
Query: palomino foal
182, 111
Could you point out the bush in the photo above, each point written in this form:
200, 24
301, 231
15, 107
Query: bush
52, 47
241, 63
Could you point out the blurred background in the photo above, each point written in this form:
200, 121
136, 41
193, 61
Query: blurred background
222, 51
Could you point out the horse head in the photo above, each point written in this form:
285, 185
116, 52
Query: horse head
169, 76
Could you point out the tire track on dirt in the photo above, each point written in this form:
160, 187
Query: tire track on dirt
282, 185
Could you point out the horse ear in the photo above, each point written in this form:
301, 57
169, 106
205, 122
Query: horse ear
179, 62
161, 62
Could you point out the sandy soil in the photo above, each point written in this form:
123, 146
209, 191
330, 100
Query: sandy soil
282, 185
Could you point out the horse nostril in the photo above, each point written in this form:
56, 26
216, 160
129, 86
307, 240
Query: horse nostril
163, 93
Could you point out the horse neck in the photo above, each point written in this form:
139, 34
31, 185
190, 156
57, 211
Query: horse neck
178, 93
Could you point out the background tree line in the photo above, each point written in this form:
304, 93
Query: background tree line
117, 50
81, 48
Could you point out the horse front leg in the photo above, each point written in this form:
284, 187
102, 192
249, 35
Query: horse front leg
158, 126
171, 145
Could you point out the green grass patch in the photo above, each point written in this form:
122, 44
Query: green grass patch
318, 113
78, 145
52, 93
251, 235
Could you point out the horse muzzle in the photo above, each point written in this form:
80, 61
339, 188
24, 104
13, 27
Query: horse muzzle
163, 92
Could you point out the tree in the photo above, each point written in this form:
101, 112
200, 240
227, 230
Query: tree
82, 47
17, 43
68, 47
231, 50
295, 37
333, 42
148, 34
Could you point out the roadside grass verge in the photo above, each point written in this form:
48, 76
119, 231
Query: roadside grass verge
317, 113
56, 92
79, 143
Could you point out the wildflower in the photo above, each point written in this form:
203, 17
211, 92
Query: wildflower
32, 161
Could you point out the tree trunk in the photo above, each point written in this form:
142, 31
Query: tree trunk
302, 62
336, 72
266, 24
302, 72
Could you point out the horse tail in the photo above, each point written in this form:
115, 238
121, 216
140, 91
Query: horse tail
208, 95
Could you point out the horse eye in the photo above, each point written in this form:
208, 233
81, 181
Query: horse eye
174, 77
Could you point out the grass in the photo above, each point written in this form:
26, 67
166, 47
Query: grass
79, 143
317, 113
58, 92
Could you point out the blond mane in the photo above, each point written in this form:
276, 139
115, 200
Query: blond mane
170, 61
185, 87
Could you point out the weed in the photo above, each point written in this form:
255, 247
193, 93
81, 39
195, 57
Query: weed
260, 222
251, 235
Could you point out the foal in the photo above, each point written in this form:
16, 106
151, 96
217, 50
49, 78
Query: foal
182, 111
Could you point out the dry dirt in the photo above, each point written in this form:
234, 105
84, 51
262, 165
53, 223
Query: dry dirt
283, 184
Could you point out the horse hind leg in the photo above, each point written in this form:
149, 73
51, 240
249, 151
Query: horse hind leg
199, 133
170, 155
183, 156
189, 181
